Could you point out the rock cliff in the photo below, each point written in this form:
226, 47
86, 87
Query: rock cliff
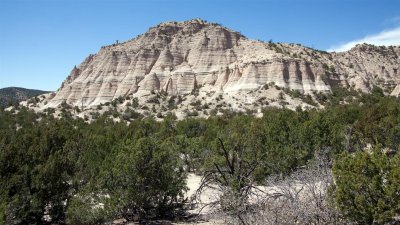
179, 57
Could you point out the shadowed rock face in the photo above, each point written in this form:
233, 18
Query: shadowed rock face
177, 57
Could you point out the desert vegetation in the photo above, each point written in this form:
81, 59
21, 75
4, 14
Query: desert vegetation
339, 165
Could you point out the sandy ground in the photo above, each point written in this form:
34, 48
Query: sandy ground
193, 183
207, 196
254, 101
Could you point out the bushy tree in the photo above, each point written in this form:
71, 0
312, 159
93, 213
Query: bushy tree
368, 186
144, 178
36, 173
52, 170
236, 155
86, 208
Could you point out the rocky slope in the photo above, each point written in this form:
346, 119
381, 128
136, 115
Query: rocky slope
16, 94
179, 57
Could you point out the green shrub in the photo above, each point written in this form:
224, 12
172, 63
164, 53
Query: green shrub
368, 186
135, 102
192, 113
129, 177
196, 103
85, 211
154, 100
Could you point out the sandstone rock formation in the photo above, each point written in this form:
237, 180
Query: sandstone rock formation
178, 57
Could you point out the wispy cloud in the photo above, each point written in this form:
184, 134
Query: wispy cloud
392, 21
386, 37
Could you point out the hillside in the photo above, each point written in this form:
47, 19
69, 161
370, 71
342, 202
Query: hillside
178, 57
17, 94
199, 119
196, 67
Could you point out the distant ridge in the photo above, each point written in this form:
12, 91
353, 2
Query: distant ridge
16, 94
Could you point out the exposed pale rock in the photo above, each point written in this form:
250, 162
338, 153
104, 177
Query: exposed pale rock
235, 75
396, 91
250, 80
177, 57
222, 78
149, 83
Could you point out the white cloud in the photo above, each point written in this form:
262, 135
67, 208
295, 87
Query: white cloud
392, 21
386, 37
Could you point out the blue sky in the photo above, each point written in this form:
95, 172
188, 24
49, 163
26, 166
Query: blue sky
42, 40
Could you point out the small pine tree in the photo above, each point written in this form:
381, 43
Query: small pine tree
367, 186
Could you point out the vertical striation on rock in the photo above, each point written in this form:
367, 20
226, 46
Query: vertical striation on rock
177, 57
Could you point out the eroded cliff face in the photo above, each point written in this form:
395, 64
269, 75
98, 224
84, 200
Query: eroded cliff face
178, 57
368, 65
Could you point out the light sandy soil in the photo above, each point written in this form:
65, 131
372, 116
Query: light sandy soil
203, 104
205, 215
